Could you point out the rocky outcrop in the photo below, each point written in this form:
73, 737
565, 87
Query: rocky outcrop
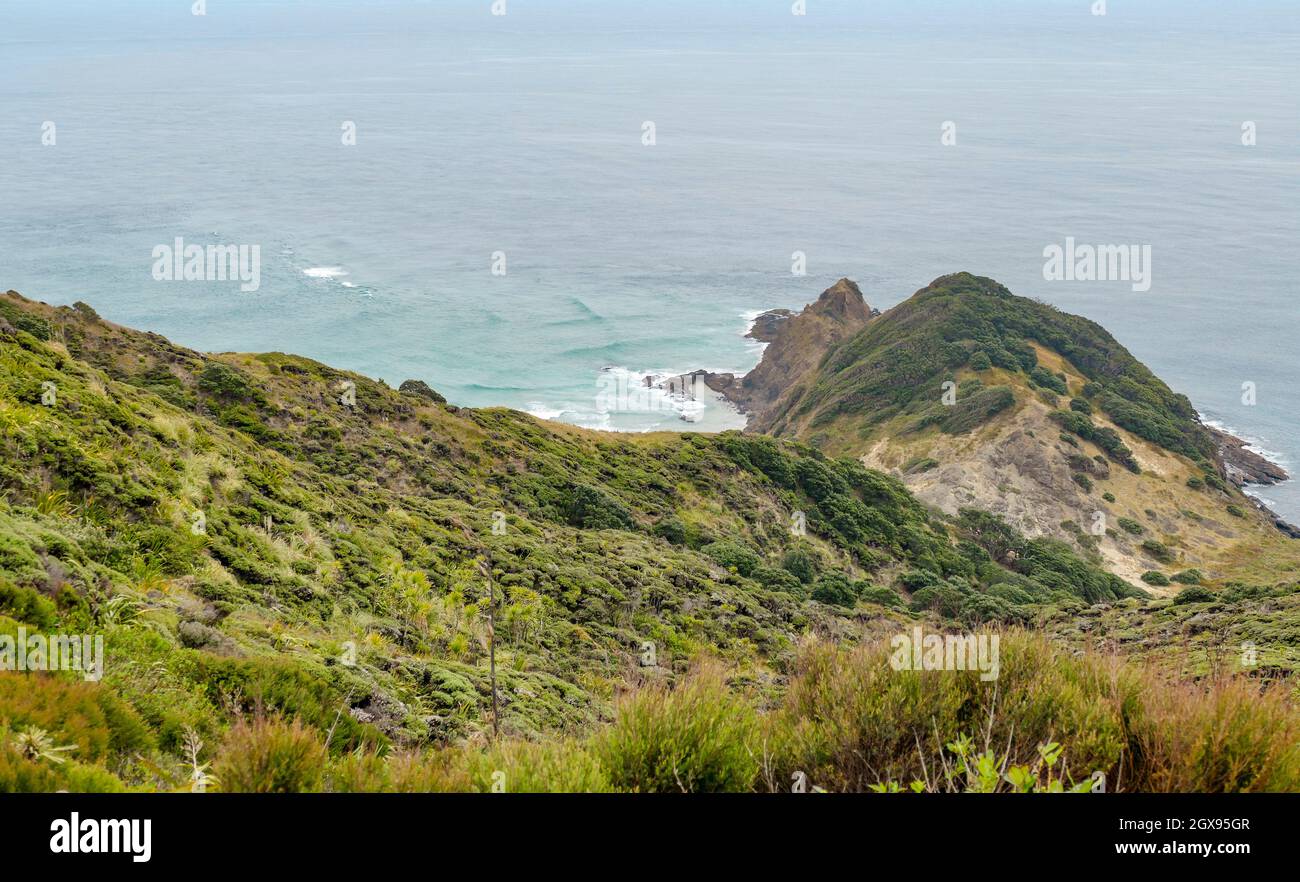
1244, 466
768, 325
796, 344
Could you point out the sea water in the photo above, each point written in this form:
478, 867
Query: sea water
477, 201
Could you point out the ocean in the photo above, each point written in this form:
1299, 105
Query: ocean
478, 201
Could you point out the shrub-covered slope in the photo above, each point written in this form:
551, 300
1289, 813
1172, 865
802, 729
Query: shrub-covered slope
975, 397
896, 364
261, 534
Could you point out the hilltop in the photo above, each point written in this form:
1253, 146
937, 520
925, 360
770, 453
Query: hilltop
977, 398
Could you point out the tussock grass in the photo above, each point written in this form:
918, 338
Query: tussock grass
849, 722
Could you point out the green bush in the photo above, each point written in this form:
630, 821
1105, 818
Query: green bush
1152, 577
1049, 380
28, 606
801, 563
270, 756
1158, 550
670, 529
879, 594
733, 556
224, 382
1128, 525
589, 508
698, 738
834, 589
1194, 594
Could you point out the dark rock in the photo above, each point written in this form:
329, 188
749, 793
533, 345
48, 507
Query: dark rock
768, 325
1243, 466
796, 344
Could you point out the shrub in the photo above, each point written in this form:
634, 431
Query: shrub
801, 563
1108, 496
777, 579
970, 411
1083, 481
269, 755
224, 382
834, 589
1188, 577
1213, 480
1128, 525
670, 529
850, 721
698, 738
1157, 550
86, 715
880, 594
980, 361
733, 556
28, 606
1049, 380
1152, 577
1195, 483
1194, 594
590, 508
20, 774
547, 767
1081, 405
1223, 736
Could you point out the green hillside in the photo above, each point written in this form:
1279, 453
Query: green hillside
290, 566
896, 366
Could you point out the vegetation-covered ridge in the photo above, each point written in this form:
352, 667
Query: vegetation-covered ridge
896, 364
290, 566
977, 398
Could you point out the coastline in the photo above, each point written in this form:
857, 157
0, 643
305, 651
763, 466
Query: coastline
1246, 464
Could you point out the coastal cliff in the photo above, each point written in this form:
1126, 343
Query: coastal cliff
1048, 422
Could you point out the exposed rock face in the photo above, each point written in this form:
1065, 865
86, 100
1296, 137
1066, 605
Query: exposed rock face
1243, 466
768, 325
797, 343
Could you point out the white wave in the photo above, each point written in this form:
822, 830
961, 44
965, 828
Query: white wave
1253, 444
324, 272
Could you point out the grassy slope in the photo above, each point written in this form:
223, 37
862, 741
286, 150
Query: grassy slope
380, 530
878, 396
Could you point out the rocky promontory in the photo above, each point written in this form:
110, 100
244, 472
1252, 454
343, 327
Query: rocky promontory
1244, 466
797, 342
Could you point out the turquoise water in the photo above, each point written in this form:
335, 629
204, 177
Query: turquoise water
775, 133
